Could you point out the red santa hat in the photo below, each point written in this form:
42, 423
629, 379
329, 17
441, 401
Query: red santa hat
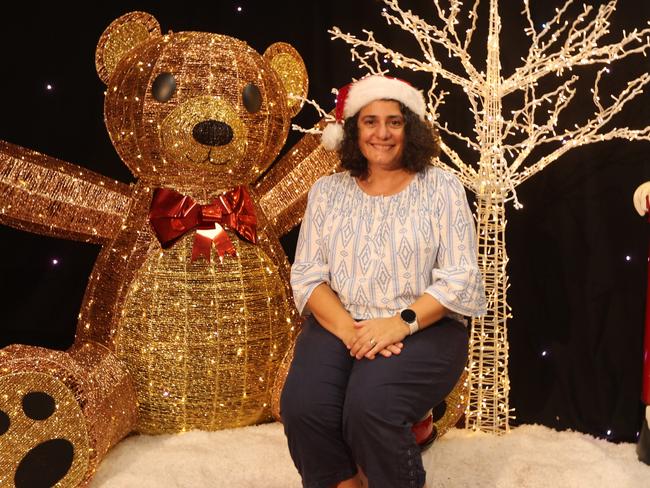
354, 96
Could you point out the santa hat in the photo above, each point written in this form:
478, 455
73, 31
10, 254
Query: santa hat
354, 96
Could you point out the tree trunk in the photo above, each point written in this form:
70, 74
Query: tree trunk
488, 408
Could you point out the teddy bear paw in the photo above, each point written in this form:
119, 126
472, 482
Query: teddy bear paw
43, 435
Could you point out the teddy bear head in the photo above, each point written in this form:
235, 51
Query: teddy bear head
195, 109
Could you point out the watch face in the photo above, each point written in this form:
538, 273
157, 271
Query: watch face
407, 315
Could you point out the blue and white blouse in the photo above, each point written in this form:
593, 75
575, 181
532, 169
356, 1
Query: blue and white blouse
379, 254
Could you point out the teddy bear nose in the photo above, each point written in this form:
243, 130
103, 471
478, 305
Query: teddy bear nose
212, 133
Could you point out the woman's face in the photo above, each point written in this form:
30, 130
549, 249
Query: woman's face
381, 134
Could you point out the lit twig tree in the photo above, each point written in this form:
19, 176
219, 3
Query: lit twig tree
509, 147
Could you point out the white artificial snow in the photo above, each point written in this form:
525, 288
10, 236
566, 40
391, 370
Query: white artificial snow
530, 456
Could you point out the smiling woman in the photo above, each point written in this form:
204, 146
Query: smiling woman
386, 265
381, 141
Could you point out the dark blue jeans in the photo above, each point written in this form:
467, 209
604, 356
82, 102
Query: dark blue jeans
339, 412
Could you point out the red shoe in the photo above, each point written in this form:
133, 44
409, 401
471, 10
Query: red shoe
425, 432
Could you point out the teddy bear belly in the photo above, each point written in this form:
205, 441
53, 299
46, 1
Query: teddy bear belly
203, 340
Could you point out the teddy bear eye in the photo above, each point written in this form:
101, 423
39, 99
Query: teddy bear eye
4, 422
163, 87
252, 98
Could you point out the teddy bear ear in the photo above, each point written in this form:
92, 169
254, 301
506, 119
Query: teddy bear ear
289, 66
124, 33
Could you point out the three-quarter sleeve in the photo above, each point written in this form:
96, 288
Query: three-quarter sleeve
456, 279
310, 267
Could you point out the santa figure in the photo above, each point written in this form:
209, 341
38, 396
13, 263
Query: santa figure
642, 205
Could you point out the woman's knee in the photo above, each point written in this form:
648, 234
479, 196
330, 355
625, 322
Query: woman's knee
301, 409
365, 408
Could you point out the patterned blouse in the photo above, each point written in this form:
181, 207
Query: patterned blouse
379, 254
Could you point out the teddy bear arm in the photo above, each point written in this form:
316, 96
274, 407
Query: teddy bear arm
48, 196
283, 190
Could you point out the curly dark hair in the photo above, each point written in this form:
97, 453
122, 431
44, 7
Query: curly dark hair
422, 143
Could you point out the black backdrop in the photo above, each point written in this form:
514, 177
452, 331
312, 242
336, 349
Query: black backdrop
578, 251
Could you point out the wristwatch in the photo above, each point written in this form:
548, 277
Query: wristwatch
409, 318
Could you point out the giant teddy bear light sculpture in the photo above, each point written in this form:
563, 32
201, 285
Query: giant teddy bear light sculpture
187, 315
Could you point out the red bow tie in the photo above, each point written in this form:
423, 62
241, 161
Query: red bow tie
173, 214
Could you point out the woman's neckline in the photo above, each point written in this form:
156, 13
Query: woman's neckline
400, 191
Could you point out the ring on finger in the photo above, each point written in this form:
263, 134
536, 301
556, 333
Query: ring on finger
373, 342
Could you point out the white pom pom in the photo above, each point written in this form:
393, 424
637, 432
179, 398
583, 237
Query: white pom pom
332, 136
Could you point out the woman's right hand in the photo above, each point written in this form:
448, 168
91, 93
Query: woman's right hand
330, 314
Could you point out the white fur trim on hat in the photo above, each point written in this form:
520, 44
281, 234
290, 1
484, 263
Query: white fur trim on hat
378, 87
332, 136
354, 96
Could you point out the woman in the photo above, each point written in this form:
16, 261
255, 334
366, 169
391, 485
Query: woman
386, 265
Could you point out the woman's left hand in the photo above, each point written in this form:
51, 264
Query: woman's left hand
375, 335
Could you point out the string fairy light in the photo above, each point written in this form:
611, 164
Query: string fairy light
507, 144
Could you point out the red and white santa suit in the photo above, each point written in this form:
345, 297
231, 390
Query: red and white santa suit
642, 205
